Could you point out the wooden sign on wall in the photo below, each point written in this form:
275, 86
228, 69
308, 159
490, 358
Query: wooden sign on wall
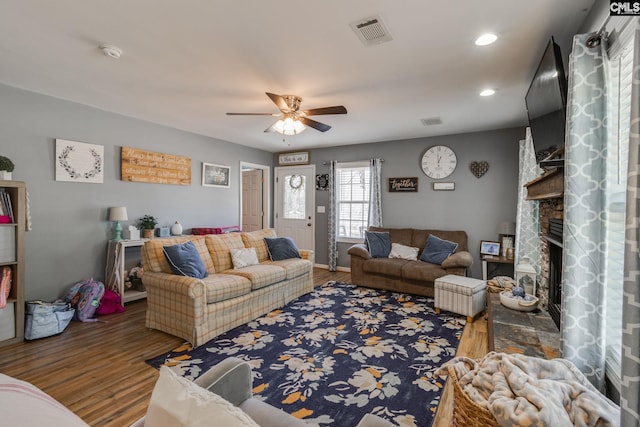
150, 166
403, 185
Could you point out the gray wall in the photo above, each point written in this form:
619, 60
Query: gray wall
70, 227
476, 206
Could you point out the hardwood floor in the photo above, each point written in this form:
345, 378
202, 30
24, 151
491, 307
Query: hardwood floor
98, 371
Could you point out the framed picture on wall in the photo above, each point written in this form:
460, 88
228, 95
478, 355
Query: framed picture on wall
290, 159
215, 175
488, 247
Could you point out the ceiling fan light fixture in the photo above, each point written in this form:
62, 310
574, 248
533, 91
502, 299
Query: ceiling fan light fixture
289, 126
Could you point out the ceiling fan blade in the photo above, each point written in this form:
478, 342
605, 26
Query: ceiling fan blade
338, 109
314, 124
279, 101
271, 128
253, 114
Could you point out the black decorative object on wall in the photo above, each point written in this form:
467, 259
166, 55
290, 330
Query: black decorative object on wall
322, 181
479, 168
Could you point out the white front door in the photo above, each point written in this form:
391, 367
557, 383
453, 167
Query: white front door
295, 204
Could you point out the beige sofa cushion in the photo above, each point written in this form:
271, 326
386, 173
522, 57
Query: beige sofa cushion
220, 287
294, 267
255, 239
261, 275
158, 262
220, 246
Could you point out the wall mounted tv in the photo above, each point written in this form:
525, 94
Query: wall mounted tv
546, 100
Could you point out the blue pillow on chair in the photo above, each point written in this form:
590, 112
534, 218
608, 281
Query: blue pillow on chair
378, 243
281, 248
185, 260
436, 250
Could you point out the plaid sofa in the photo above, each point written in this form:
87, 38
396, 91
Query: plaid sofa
201, 309
400, 275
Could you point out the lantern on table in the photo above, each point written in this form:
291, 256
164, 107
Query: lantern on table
526, 276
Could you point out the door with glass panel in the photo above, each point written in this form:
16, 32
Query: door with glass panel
295, 204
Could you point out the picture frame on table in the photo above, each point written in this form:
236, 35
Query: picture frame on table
214, 175
489, 247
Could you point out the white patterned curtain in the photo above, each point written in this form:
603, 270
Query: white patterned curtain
630, 375
333, 218
375, 195
584, 200
527, 218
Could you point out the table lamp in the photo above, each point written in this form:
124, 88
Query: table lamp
118, 214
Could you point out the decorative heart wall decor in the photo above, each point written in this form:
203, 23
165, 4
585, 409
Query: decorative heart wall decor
479, 168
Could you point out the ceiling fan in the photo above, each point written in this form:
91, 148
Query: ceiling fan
293, 120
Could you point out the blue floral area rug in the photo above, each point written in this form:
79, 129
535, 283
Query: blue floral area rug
338, 353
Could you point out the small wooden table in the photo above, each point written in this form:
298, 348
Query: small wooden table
530, 333
487, 260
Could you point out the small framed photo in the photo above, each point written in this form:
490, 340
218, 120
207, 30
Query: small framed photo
488, 247
215, 175
289, 159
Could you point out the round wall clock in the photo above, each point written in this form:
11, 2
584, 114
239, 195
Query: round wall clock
439, 162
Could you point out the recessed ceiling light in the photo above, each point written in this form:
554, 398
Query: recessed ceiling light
487, 92
486, 39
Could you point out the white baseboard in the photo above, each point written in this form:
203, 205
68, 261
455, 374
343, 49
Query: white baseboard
326, 267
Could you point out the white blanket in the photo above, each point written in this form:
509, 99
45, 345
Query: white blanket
528, 391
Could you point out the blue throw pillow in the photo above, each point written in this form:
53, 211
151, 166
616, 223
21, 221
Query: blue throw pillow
281, 248
378, 243
437, 250
185, 260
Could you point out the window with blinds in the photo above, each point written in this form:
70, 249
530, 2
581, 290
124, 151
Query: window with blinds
618, 117
353, 190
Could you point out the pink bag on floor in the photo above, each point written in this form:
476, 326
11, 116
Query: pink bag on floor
110, 303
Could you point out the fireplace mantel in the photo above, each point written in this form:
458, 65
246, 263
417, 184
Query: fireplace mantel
550, 185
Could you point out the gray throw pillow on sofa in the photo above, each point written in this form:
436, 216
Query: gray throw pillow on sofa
378, 243
185, 260
436, 250
281, 248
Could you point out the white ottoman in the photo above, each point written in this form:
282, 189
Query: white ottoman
459, 294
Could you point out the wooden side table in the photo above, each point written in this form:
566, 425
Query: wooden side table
495, 262
116, 260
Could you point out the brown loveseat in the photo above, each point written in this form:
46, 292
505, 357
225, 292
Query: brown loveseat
400, 275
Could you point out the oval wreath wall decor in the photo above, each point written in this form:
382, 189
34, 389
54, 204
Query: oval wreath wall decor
79, 162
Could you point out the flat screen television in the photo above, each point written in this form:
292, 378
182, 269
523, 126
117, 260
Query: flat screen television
546, 100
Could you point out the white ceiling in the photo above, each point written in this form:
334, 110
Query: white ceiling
186, 63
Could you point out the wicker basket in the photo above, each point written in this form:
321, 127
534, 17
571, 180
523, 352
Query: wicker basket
467, 413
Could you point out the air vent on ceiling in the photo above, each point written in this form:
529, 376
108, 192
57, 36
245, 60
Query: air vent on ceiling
431, 121
371, 30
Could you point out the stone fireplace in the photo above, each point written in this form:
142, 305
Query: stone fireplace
549, 191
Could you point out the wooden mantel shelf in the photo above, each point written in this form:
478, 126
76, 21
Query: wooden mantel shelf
547, 186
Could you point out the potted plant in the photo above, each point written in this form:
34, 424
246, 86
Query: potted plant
6, 167
148, 224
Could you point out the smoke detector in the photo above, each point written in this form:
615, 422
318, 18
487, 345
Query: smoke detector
371, 30
111, 51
